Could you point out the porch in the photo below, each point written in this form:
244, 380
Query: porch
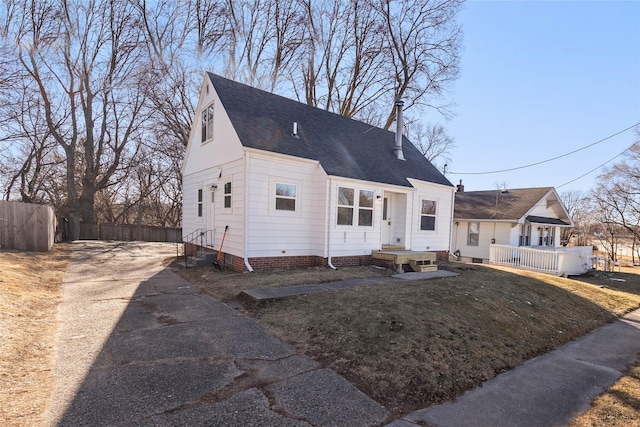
571, 260
420, 261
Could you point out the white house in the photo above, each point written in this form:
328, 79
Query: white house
516, 217
294, 185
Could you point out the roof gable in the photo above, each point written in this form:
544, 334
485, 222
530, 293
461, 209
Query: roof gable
512, 204
344, 147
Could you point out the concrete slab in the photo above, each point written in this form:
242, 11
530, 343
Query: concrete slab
127, 393
152, 351
282, 292
425, 275
323, 398
247, 408
345, 284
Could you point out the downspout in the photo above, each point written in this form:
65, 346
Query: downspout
329, 187
453, 204
246, 211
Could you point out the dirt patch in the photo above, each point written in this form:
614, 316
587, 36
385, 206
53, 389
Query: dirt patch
30, 290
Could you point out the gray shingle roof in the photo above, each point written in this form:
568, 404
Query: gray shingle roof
344, 147
511, 205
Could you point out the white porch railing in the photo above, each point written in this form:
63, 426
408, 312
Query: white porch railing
560, 261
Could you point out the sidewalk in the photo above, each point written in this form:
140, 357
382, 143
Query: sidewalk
546, 391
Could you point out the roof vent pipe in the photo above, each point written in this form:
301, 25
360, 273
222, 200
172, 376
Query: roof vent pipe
295, 130
397, 150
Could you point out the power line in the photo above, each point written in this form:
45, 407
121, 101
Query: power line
598, 167
551, 159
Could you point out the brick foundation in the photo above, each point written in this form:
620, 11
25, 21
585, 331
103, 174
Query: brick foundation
271, 263
286, 262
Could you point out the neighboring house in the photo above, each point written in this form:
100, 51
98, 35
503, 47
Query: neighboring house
515, 217
294, 185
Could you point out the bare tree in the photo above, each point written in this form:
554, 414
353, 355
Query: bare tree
82, 59
579, 208
424, 42
432, 140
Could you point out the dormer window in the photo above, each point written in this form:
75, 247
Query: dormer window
207, 123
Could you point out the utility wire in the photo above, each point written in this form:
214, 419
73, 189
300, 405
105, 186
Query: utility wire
598, 167
551, 159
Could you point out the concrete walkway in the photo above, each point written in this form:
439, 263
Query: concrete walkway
137, 345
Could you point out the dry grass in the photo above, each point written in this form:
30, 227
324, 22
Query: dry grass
618, 407
413, 344
30, 289
226, 285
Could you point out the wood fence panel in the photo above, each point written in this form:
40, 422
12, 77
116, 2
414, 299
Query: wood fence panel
26, 226
128, 233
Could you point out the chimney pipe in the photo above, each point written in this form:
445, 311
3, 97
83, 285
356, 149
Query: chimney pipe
397, 150
460, 187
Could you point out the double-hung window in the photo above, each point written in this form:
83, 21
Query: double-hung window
207, 123
286, 197
345, 206
200, 203
365, 208
349, 205
227, 195
428, 215
473, 238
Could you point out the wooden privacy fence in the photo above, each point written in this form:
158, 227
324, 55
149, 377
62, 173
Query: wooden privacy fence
26, 226
127, 232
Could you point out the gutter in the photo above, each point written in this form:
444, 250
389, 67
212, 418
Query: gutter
246, 212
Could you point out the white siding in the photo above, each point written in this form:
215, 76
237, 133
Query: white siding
502, 232
439, 239
284, 233
215, 210
225, 145
354, 240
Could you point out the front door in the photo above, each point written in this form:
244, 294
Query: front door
387, 202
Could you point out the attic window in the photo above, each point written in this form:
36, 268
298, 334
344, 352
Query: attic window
207, 123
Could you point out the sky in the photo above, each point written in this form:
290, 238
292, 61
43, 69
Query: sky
540, 79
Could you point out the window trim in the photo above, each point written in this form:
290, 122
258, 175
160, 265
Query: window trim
355, 207
345, 206
200, 203
477, 233
365, 208
434, 215
206, 125
227, 196
285, 197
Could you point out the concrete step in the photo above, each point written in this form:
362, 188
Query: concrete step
206, 258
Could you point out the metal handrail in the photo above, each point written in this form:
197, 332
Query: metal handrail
201, 237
